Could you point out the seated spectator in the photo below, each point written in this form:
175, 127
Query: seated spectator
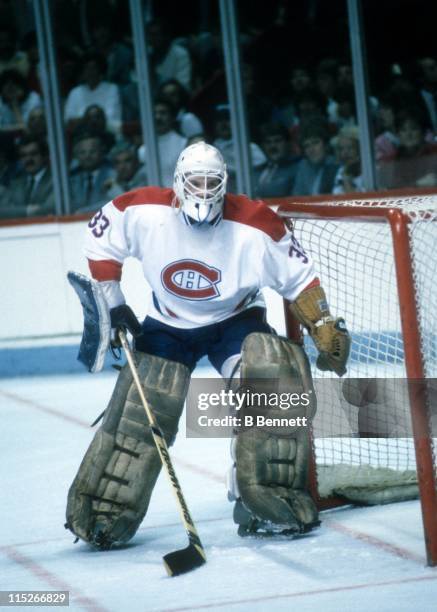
259, 107
310, 107
36, 122
300, 78
415, 163
404, 93
315, 173
9, 167
285, 110
326, 83
94, 91
427, 79
309, 104
31, 193
133, 134
170, 143
10, 57
206, 52
344, 113
129, 174
224, 142
345, 77
275, 178
169, 60
70, 66
119, 57
347, 148
345, 82
94, 122
29, 45
130, 104
88, 179
386, 141
16, 101
188, 124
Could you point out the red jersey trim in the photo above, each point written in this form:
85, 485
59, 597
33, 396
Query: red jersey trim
314, 283
171, 313
144, 195
254, 213
105, 270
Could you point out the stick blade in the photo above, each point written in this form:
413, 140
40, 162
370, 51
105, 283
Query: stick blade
184, 560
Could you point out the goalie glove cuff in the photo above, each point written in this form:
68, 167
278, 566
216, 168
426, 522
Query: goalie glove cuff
330, 335
311, 307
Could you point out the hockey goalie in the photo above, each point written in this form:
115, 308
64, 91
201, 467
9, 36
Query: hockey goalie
207, 255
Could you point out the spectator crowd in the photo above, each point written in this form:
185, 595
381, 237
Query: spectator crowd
304, 137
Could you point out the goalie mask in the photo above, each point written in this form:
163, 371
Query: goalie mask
200, 184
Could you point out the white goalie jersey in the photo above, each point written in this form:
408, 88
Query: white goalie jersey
202, 275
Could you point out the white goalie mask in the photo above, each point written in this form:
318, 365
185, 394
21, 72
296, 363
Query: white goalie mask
200, 184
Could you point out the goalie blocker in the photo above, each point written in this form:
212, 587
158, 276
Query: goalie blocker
98, 320
96, 334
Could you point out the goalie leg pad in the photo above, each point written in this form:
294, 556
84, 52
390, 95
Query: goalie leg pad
110, 495
272, 462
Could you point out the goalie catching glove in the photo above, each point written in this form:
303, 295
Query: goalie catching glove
330, 335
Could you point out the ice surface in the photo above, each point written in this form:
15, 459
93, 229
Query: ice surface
360, 559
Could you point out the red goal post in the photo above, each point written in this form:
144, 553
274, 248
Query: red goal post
376, 256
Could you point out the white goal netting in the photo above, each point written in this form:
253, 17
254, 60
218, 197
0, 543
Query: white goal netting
363, 430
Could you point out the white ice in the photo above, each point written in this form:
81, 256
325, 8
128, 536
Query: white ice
360, 559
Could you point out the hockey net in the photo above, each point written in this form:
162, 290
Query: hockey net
376, 260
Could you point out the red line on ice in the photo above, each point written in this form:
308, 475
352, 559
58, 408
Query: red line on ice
46, 409
199, 470
76, 421
52, 580
398, 551
339, 589
141, 529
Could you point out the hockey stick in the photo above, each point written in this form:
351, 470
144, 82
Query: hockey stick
186, 559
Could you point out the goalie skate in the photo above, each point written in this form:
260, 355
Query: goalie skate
251, 526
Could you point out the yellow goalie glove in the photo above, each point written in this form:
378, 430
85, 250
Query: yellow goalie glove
330, 335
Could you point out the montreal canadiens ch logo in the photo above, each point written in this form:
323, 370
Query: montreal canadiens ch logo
191, 280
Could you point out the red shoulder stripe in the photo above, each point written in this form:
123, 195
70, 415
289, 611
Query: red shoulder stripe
144, 195
254, 213
105, 270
